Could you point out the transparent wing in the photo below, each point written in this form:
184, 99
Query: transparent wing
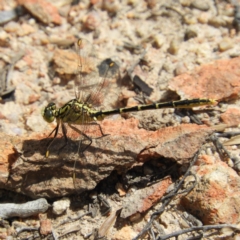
95, 76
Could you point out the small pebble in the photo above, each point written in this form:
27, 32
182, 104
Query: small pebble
56, 81
174, 47
152, 3
111, 6
180, 69
234, 147
217, 21
166, 68
70, 85
228, 12
185, 3
132, 2
203, 17
209, 151
189, 19
186, 119
141, 31
32, 21
200, 5
135, 217
92, 20
61, 206
11, 27
25, 29
225, 45
4, 39
18, 131
163, 87
190, 34
234, 54
159, 40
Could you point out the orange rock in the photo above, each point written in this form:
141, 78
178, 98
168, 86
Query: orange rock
231, 117
143, 199
35, 175
45, 226
42, 10
66, 62
25, 29
92, 20
216, 197
33, 98
219, 81
7, 155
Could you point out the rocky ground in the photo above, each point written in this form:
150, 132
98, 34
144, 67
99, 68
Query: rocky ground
158, 174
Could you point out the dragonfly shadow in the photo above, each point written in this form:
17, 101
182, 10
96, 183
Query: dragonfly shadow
68, 171
31, 147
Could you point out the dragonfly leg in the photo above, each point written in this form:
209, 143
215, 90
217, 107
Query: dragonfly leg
83, 134
55, 131
64, 131
103, 134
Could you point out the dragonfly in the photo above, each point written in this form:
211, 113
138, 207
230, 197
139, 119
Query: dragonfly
81, 112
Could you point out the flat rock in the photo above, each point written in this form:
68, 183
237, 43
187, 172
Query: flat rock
143, 199
33, 174
218, 81
42, 10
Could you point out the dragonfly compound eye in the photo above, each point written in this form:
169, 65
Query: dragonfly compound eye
49, 112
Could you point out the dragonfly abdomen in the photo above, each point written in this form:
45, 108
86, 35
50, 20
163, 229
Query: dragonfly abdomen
187, 103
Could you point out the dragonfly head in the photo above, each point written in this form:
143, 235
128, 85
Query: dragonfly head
49, 112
